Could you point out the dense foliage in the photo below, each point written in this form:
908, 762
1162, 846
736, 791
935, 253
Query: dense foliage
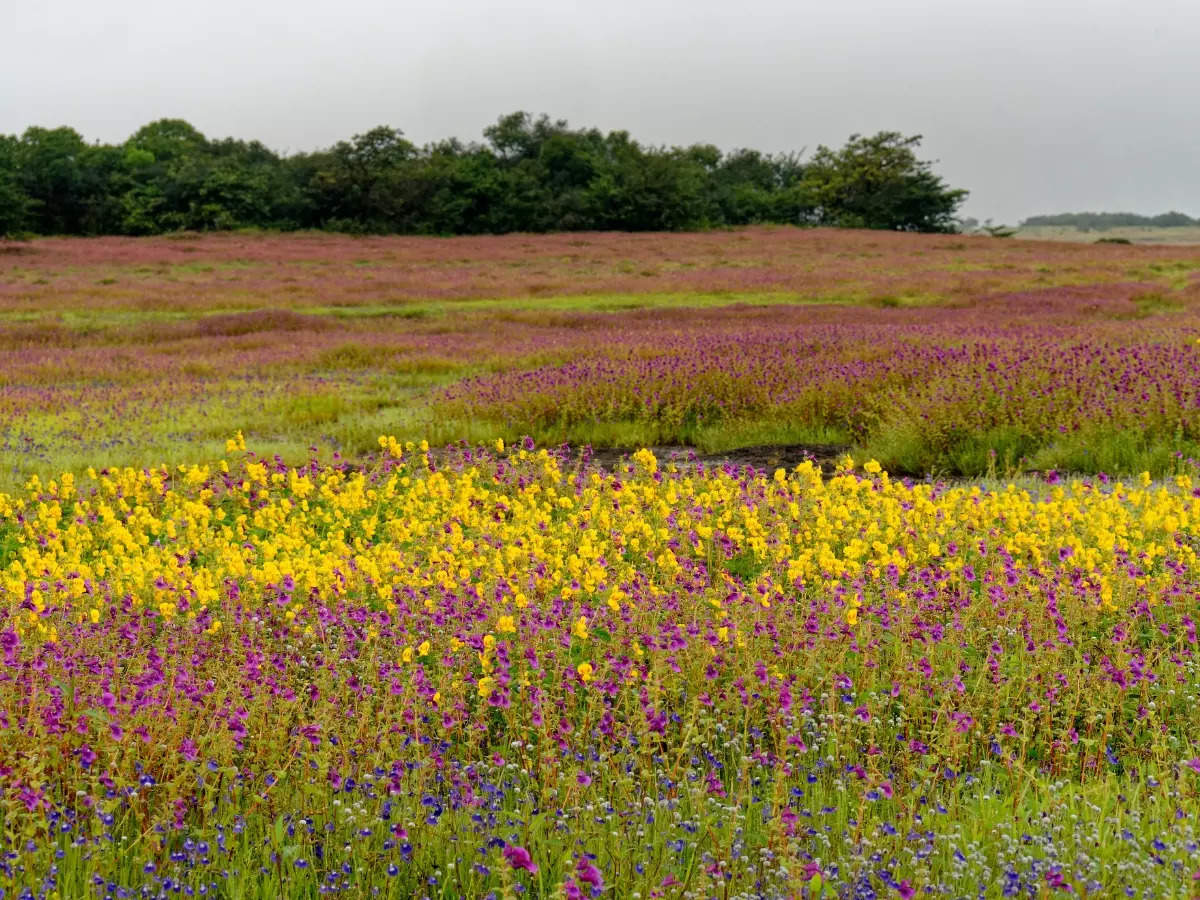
530, 174
1103, 221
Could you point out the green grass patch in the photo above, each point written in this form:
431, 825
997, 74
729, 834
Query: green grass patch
1117, 452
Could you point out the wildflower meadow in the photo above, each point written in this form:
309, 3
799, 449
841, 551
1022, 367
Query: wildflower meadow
314, 581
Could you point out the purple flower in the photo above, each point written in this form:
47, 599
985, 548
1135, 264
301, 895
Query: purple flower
1055, 880
519, 858
588, 873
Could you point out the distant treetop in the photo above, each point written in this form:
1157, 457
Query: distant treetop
1103, 221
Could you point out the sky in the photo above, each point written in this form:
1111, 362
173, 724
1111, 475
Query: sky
1035, 106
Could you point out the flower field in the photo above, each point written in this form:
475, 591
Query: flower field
505, 671
472, 658
948, 354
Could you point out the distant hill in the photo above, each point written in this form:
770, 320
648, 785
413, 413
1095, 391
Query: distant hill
1104, 221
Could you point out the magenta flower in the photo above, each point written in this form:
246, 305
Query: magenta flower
588, 873
519, 858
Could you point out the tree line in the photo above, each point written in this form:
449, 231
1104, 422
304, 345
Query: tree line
529, 174
1103, 221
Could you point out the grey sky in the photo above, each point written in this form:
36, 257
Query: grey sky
1034, 105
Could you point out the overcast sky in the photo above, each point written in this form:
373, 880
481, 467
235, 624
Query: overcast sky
1033, 105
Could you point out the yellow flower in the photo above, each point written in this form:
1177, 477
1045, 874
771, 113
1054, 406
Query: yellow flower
585, 671
646, 459
580, 630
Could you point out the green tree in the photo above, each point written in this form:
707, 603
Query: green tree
655, 189
14, 204
233, 184
357, 185
878, 182
452, 188
153, 158
50, 162
168, 140
746, 184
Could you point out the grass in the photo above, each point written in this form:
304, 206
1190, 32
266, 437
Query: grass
1012, 451
119, 321
1175, 235
1002, 823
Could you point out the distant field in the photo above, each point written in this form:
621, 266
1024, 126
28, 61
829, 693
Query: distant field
932, 353
1189, 235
